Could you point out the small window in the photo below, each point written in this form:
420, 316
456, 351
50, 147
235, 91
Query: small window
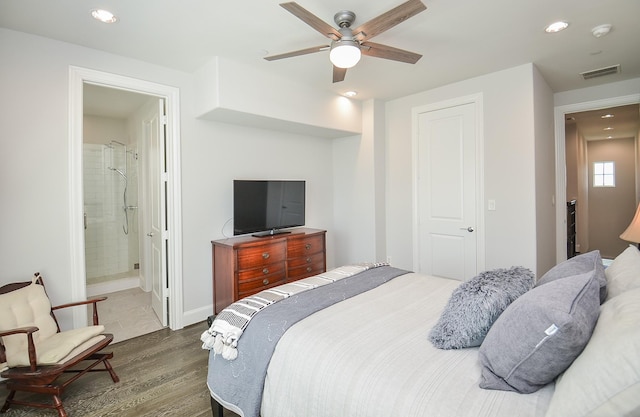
604, 174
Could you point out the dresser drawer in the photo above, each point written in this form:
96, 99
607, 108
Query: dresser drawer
272, 271
308, 260
246, 288
306, 270
262, 255
302, 247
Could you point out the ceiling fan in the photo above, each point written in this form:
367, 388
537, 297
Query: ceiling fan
347, 45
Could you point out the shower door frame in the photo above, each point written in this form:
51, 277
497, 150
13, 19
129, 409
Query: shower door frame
78, 76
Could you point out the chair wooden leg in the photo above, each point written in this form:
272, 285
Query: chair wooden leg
57, 403
7, 403
114, 377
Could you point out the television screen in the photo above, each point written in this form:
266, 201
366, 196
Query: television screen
267, 206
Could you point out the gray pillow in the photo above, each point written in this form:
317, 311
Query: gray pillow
476, 304
538, 336
578, 265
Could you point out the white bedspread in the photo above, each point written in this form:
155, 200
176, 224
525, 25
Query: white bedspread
369, 356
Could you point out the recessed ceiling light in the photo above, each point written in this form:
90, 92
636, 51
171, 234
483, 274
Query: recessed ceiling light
351, 94
608, 128
104, 16
556, 27
606, 116
601, 30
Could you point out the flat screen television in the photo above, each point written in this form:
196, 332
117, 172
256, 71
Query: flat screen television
265, 207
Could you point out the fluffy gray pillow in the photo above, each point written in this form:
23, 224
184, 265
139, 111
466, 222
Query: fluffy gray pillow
590, 261
476, 304
538, 336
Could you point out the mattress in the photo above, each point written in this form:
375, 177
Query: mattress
370, 356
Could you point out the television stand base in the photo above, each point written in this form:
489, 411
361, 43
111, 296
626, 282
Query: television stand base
271, 233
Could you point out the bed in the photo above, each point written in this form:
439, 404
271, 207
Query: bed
369, 354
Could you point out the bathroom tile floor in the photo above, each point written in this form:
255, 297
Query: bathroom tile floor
127, 314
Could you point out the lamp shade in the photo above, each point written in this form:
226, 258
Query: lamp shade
345, 53
632, 234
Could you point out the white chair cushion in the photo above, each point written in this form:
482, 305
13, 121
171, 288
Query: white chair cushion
81, 348
51, 350
30, 306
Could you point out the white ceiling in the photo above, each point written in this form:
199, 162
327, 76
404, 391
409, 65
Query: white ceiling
458, 38
110, 102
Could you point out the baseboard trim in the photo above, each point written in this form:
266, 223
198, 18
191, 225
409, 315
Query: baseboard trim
113, 286
197, 315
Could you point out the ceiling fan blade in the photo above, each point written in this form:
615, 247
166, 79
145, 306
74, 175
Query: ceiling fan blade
387, 20
389, 52
297, 53
339, 74
312, 20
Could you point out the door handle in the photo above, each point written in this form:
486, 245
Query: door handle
468, 229
150, 234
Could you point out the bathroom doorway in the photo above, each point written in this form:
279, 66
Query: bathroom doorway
169, 204
112, 176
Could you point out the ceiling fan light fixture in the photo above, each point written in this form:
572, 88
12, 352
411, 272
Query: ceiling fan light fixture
345, 53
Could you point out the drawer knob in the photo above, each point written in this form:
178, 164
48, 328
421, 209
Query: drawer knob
265, 255
307, 246
265, 271
309, 260
265, 281
309, 269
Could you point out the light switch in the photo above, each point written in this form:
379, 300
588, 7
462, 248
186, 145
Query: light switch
492, 205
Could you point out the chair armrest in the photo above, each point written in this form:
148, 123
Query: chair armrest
93, 301
29, 331
79, 303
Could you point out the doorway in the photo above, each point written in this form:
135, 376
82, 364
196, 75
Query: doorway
115, 159
563, 175
112, 193
172, 257
595, 139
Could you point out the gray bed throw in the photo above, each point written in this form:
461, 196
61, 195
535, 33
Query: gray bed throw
238, 384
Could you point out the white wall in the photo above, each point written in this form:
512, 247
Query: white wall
232, 92
545, 174
34, 161
216, 154
509, 167
600, 92
359, 189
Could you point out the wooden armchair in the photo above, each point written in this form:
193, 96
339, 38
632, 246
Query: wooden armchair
37, 352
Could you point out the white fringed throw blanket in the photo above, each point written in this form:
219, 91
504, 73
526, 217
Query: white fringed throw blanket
228, 326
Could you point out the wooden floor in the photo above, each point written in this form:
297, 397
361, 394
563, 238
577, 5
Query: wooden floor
161, 374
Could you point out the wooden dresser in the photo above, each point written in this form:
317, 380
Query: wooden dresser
246, 265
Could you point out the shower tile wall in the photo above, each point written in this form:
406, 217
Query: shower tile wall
106, 245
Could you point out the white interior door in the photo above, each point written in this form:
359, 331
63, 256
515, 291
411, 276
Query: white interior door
446, 192
157, 229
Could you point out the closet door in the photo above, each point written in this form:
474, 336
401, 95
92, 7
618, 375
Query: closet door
446, 192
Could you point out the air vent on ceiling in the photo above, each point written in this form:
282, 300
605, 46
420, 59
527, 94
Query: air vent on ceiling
614, 69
